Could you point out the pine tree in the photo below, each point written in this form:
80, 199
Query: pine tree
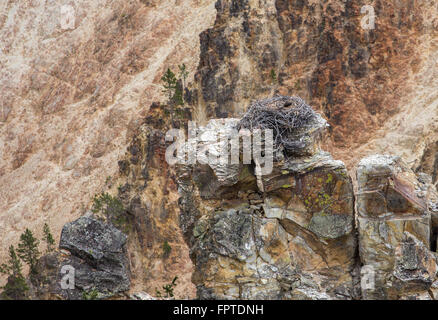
48, 238
16, 286
170, 86
28, 250
13, 267
169, 83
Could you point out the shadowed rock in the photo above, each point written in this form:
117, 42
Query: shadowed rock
97, 256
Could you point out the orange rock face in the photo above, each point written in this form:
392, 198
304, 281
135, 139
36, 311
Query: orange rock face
71, 96
73, 88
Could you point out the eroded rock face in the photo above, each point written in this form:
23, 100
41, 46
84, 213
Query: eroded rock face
394, 230
286, 235
71, 97
149, 193
294, 233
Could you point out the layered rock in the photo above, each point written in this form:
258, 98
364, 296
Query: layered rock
285, 235
395, 226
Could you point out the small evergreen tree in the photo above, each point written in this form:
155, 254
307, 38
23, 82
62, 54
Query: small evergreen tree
13, 267
178, 98
166, 249
171, 88
169, 83
112, 208
48, 238
16, 286
28, 250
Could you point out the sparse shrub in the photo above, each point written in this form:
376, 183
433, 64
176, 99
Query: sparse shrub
168, 289
273, 75
90, 294
178, 96
166, 249
169, 84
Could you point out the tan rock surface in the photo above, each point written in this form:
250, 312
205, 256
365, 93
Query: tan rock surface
71, 98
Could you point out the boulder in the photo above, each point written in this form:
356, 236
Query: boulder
96, 258
100, 244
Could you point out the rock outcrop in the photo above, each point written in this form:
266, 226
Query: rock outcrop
358, 78
72, 99
296, 232
285, 235
97, 262
102, 247
395, 225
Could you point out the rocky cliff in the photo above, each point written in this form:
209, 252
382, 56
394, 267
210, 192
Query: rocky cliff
296, 233
396, 227
285, 235
360, 79
75, 98
72, 96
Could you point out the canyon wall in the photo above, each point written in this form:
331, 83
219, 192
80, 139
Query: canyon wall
73, 100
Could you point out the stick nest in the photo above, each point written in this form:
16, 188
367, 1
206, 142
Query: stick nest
288, 117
